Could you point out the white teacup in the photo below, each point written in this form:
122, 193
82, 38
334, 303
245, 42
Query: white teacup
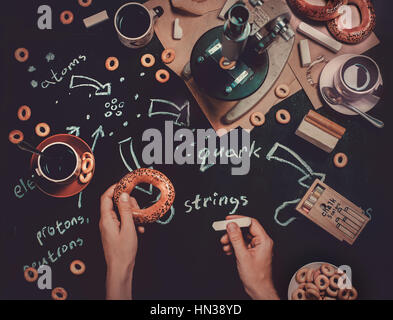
134, 24
357, 77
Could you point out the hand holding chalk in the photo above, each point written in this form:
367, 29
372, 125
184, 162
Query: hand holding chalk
254, 260
120, 243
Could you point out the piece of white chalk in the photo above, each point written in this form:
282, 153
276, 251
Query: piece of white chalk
319, 37
228, 4
95, 19
177, 30
305, 54
222, 225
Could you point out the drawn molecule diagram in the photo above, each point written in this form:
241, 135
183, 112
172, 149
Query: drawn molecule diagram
114, 107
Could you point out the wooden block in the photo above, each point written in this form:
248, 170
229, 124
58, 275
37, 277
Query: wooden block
319, 37
222, 225
333, 212
305, 54
317, 136
95, 19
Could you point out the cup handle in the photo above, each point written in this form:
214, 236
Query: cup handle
157, 12
38, 171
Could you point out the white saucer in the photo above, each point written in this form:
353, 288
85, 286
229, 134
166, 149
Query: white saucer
364, 104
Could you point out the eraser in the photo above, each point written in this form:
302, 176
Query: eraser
319, 37
305, 54
95, 19
222, 225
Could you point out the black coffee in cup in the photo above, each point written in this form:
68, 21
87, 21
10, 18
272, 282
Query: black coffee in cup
133, 21
360, 73
58, 162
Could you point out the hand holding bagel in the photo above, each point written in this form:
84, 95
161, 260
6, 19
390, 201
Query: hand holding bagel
120, 243
254, 260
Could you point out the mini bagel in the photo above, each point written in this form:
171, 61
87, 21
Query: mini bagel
332, 292
322, 282
42, 129
257, 119
312, 294
310, 275
283, 116
302, 286
168, 55
87, 165
343, 294
316, 273
24, 113
359, 33
353, 294
226, 64
31, 274
85, 178
158, 180
148, 60
74, 267
111, 63
87, 155
328, 270
59, 294
309, 286
340, 160
301, 275
15, 136
333, 281
85, 3
299, 294
66, 17
21, 54
282, 91
162, 76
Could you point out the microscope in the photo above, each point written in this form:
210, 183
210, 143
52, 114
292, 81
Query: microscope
236, 60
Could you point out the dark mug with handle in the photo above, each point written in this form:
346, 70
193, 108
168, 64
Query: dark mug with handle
134, 24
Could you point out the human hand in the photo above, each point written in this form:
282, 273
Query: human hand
120, 243
254, 260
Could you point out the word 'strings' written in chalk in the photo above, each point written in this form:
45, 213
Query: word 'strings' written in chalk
215, 200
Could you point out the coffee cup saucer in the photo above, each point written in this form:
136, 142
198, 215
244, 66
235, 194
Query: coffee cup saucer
54, 189
326, 79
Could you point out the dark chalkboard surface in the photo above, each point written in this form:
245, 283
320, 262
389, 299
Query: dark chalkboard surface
180, 256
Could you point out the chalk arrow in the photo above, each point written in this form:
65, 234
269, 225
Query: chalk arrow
73, 130
83, 81
181, 114
99, 133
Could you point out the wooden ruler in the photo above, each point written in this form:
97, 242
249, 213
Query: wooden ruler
333, 212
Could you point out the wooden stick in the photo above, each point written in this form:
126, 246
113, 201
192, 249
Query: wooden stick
326, 123
320, 126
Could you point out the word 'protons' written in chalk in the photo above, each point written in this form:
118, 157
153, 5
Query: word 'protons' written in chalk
59, 228
215, 200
